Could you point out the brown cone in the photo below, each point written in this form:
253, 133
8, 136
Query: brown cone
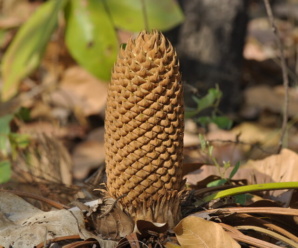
144, 129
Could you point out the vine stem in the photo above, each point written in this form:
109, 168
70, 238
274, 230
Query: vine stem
284, 74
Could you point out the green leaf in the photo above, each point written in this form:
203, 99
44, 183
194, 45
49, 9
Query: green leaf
218, 182
19, 140
234, 171
129, 14
91, 36
213, 95
204, 120
251, 188
23, 114
26, 50
222, 122
5, 171
4, 132
242, 199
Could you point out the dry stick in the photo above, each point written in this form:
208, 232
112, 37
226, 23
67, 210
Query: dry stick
253, 210
239, 236
36, 197
268, 233
252, 241
144, 10
273, 227
284, 73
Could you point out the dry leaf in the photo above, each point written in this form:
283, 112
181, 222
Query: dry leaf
195, 232
89, 154
254, 97
82, 91
275, 168
281, 167
86, 156
44, 160
254, 133
24, 226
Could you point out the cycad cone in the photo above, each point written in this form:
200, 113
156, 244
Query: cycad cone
144, 129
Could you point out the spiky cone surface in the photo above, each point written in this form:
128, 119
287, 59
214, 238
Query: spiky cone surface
144, 125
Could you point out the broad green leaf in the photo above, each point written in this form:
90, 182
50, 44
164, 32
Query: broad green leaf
222, 122
4, 132
129, 14
5, 171
210, 99
26, 50
91, 36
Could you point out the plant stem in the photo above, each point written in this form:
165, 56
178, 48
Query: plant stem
250, 188
284, 74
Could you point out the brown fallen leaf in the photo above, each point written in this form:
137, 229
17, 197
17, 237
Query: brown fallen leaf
254, 133
254, 97
89, 154
195, 232
275, 168
80, 90
279, 167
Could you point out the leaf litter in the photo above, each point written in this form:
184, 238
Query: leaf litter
223, 223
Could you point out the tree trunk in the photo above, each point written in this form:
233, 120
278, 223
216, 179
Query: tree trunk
210, 45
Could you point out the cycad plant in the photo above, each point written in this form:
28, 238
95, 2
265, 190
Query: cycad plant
144, 130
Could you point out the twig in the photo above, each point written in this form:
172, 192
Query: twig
284, 73
269, 233
112, 206
253, 210
252, 241
36, 197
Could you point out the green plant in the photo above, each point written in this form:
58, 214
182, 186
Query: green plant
210, 101
10, 142
90, 34
249, 189
208, 150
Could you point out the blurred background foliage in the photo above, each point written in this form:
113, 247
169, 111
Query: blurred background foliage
90, 34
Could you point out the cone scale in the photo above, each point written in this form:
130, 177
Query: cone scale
144, 125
